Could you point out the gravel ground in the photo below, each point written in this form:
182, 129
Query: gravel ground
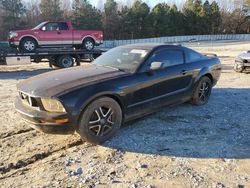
182, 146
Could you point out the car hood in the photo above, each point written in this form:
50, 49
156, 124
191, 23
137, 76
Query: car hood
56, 82
21, 31
245, 55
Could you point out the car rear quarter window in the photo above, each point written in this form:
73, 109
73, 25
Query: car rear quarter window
193, 56
168, 57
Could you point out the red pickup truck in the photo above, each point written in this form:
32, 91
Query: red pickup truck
54, 34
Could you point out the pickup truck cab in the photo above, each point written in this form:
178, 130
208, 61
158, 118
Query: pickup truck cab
54, 34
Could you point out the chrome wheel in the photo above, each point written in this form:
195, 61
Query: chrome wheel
89, 45
101, 121
29, 45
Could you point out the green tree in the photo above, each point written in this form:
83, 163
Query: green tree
215, 17
51, 10
110, 19
85, 16
139, 15
161, 19
176, 21
12, 10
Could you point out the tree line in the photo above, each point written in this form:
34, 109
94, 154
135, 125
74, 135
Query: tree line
195, 17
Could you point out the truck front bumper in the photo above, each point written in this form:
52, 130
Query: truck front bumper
14, 44
44, 121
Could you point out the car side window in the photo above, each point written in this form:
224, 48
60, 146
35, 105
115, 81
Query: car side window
63, 26
51, 27
193, 56
168, 57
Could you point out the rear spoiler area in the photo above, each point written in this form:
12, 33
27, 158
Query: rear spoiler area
209, 55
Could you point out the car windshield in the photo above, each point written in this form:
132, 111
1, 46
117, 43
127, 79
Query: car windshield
39, 26
122, 58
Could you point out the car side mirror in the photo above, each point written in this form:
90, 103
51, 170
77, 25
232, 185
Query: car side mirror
155, 65
43, 28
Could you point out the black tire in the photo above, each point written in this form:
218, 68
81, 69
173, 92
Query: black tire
202, 91
100, 120
65, 61
28, 45
238, 68
88, 44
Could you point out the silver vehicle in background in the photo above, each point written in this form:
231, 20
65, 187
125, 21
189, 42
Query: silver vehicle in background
242, 62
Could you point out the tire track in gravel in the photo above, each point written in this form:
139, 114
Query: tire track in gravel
9, 134
37, 157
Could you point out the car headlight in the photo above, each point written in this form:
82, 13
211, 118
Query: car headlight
13, 34
238, 60
52, 105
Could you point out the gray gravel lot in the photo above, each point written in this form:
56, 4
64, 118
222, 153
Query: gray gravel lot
181, 146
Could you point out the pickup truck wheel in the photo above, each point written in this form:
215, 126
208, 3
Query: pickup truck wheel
202, 91
100, 120
28, 45
88, 44
65, 61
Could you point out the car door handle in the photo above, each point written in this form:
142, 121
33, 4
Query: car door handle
183, 72
58, 32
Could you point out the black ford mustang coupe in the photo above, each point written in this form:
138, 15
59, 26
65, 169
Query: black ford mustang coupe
124, 83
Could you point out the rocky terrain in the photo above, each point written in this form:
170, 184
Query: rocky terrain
182, 146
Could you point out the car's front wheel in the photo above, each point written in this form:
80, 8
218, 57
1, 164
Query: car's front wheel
100, 120
238, 68
28, 45
202, 91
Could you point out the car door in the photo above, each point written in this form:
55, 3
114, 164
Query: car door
172, 79
50, 34
163, 86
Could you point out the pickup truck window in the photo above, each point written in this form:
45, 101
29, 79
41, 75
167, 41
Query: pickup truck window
55, 26
50, 27
63, 26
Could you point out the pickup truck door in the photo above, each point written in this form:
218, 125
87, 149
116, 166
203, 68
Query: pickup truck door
50, 35
66, 33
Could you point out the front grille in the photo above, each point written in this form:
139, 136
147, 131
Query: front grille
28, 100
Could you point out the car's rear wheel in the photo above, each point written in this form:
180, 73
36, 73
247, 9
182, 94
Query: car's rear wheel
202, 91
28, 45
88, 44
100, 120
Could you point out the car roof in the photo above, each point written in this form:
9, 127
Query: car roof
150, 46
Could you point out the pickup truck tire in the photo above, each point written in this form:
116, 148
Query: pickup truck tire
202, 91
88, 44
100, 120
28, 45
65, 61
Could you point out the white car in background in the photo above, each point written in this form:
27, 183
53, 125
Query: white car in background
242, 62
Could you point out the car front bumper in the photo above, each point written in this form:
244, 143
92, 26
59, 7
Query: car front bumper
243, 63
44, 121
